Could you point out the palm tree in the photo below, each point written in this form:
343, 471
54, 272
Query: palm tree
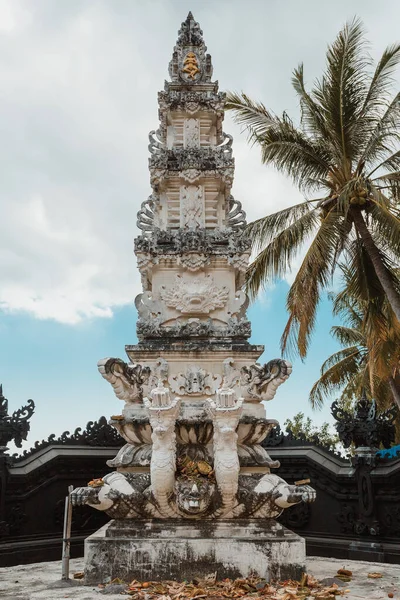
369, 359
347, 153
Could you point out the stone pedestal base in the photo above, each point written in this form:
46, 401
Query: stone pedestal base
167, 549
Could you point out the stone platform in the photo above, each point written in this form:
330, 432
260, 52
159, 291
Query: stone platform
41, 581
160, 550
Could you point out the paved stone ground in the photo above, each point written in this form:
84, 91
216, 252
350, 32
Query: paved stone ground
41, 581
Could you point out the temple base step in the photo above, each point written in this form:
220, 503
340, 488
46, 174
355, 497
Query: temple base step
167, 549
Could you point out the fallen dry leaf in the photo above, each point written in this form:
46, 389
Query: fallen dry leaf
345, 572
375, 575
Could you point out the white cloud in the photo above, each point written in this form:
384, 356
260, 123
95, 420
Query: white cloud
78, 95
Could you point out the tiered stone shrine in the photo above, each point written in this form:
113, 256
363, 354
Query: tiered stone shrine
192, 492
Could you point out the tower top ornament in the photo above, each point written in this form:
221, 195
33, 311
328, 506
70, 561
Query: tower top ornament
190, 64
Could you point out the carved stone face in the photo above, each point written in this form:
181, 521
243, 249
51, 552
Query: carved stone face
194, 497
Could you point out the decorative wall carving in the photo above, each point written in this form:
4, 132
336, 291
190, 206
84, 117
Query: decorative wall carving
216, 160
213, 242
96, 433
193, 261
232, 376
195, 382
365, 427
13, 427
194, 296
185, 329
192, 206
238, 305
191, 133
148, 309
191, 175
159, 373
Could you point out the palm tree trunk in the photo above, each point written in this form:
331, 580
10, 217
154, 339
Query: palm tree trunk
381, 272
395, 391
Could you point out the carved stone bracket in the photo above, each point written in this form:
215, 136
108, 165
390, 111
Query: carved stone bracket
126, 379
262, 381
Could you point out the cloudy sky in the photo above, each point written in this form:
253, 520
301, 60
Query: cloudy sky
78, 96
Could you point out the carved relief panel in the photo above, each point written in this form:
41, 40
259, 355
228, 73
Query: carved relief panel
192, 206
191, 133
194, 295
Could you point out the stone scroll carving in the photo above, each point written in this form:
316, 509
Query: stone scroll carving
262, 381
148, 216
126, 379
235, 215
156, 143
194, 296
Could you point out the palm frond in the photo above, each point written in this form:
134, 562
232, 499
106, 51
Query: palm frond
263, 230
381, 81
387, 226
304, 295
391, 162
348, 336
337, 370
383, 137
312, 117
342, 91
291, 152
276, 258
252, 115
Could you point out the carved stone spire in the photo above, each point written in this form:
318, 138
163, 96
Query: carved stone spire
190, 64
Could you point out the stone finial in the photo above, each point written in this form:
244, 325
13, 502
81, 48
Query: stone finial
365, 427
190, 33
15, 427
161, 396
190, 64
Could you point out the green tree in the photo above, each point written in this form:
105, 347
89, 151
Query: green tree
302, 426
346, 151
370, 357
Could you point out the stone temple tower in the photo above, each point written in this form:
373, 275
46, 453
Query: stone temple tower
192, 489
192, 254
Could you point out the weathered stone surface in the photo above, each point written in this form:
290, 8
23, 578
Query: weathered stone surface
37, 581
154, 550
193, 468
